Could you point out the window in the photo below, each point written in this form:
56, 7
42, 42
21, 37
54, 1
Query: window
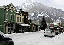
17, 19
11, 10
9, 29
6, 9
7, 15
20, 19
11, 16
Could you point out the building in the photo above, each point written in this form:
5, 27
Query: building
21, 21
10, 13
19, 18
9, 18
15, 21
33, 27
2, 18
22, 17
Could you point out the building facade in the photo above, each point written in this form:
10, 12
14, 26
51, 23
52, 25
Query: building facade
2, 18
9, 18
21, 21
19, 18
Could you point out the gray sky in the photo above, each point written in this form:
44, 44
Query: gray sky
52, 3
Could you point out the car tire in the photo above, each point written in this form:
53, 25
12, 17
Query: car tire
56, 33
11, 43
45, 35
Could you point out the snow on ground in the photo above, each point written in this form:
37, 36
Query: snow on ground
36, 38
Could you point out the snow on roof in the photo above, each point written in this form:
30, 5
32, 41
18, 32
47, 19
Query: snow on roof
25, 25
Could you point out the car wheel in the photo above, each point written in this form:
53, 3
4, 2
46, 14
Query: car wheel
56, 33
11, 43
45, 35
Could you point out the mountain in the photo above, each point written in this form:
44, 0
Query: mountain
50, 13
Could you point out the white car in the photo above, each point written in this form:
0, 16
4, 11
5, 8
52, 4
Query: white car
49, 32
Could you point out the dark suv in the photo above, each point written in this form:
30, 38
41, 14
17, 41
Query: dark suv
5, 40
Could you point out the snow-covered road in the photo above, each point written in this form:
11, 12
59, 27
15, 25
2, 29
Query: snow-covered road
36, 38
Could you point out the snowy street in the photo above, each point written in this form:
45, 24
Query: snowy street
36, 38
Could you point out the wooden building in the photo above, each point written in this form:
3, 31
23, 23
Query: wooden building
9, 18
21, 21
22, 17
19, 18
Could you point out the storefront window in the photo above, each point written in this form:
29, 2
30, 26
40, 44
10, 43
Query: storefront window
17, 19
20, 19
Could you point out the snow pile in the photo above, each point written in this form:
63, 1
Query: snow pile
59, 39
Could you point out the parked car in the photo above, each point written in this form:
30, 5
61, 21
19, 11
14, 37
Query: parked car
5, 40
61, 29
48, 32
56, 30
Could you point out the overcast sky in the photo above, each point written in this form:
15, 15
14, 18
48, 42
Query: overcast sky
53, 3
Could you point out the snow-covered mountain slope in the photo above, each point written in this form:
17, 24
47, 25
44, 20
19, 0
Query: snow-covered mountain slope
32, 6
38, 8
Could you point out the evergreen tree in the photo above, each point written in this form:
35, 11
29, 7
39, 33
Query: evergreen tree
43, 23
30, 21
